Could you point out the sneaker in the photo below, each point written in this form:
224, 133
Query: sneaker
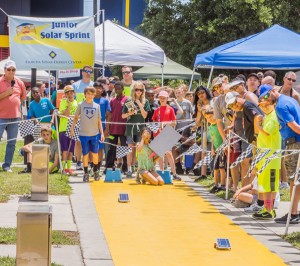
97, 176
214, 189
86, 178
284, 185
176, 177
264, 215
65, 172
239, 204
294, 219
129, 174
197, 172
7, 169
25, 171
71, 171
179, 169
253, 208
201, 177
79, 166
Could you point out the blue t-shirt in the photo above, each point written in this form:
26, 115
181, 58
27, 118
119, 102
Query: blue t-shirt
104, 107
79, 87
41, 109
287, 110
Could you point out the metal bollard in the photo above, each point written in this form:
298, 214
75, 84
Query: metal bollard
34, 235
40, 172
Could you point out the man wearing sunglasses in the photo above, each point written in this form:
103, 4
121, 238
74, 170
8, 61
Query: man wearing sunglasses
288, 114
250, 115
287, 87
12, 93
127, 80
79, 87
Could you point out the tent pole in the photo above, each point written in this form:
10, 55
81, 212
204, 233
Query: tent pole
210, 75
199, 83
192, 77
162, 75
292, 197
103, 52
49, 86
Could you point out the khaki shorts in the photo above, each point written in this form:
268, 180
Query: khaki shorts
292, 160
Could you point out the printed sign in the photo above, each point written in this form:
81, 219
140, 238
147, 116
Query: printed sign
69, 73
52, 43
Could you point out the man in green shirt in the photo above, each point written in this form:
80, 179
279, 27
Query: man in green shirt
127, 80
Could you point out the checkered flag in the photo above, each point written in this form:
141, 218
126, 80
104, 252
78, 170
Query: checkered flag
243, 156
276, 154
122, 151
26, 128
37, 131
260, 153
76, 129
183, 128
192, 150
154, 127
206, 160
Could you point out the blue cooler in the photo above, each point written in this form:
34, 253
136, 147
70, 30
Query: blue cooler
188, 161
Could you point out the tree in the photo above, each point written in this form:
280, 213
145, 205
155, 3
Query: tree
184, 30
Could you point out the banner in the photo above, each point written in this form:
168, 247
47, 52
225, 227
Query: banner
52, 43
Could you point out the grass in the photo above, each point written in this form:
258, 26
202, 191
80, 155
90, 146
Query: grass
9, 236
293, 238
8, 261
17, 158
14, 184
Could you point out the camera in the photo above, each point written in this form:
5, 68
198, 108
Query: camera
12, 82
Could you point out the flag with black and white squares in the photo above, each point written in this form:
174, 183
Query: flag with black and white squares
122, 151
76, 129
26, 127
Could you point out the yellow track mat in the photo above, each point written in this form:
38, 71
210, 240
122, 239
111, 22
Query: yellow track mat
171, 225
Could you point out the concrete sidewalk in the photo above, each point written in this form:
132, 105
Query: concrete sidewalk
78, 213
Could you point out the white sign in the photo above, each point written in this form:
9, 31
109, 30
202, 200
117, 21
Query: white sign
69, 73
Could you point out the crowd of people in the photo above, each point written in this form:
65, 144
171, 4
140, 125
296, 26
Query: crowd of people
256, 113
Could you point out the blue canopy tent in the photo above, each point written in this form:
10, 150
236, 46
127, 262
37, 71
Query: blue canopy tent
274, 48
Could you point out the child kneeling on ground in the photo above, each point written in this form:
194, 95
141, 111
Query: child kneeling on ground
146, 162
46, 133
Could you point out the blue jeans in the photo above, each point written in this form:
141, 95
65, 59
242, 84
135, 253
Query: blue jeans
12, 133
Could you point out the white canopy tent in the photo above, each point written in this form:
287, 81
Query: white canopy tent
25, 75
125, 47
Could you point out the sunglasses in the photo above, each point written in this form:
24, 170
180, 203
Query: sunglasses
234, 88
88, 71
201, 92
290, 79
266, 97
126, 72
11, 69
139, 90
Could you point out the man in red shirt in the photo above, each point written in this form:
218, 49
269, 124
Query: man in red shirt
116, 131
165, 113
12, 94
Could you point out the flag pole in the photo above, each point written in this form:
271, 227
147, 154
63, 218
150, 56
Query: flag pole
228, 163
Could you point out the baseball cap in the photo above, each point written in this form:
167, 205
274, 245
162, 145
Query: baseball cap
163, 94
10, 63
264, 89
68, 88
230, 98
253, 75
217, 81
235, 82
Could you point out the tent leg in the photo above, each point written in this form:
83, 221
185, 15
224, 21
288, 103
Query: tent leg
292, 198
162, 75
191, 82
103, 52
199, 83
210, 76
